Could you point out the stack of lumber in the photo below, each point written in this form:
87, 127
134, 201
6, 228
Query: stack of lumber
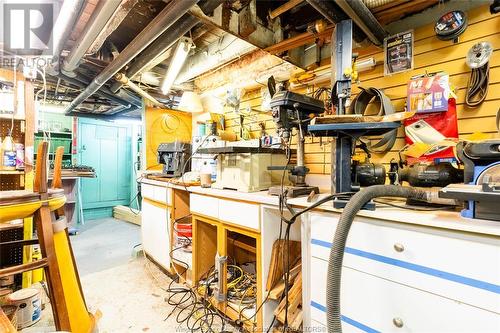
127, 214
278, 257
294, 313
277, 292
276, 284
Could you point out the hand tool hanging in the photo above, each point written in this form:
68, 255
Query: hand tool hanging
478, 60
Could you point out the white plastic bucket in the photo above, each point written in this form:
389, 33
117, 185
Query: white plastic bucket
29, 306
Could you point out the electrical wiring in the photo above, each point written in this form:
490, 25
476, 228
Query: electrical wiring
196, 313
324, 94
189, 159
281, 206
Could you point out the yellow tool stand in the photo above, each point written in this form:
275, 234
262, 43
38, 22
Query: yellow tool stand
46, 206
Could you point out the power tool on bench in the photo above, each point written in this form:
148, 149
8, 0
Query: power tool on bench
346, 134
294, 111
481, 188
175, 158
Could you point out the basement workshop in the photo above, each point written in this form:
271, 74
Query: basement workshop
257, 166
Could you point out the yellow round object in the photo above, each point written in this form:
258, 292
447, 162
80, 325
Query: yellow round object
26, 209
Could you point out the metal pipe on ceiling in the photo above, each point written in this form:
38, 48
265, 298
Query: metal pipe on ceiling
102, 94
149, 57
125, 80
122, 94
117, 114
363, 18
168, 16
67, 18
100, 17
158, 47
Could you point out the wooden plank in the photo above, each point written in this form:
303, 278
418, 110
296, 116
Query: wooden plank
17, 269
400, 11
284, 8
278, 253
388, 5
300, 40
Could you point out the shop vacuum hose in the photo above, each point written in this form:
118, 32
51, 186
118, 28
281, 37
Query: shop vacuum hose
357, 201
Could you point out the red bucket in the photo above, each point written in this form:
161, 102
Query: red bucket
183, 235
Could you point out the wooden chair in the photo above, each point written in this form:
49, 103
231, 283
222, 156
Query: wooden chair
46, 206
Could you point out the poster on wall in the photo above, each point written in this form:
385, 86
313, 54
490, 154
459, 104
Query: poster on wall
398, 53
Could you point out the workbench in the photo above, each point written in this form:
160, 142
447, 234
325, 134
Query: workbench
405, 271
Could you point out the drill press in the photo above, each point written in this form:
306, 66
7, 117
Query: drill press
293, 111
345, 134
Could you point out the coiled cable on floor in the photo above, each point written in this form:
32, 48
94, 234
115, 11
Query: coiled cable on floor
358, 200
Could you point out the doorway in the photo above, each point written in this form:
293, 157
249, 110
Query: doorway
107, 147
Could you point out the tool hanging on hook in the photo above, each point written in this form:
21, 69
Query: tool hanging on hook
478, 60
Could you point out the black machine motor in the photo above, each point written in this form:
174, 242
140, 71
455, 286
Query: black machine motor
434, 175
173, 156
367, 174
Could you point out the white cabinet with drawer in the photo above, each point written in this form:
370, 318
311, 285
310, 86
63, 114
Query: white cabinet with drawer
157, 193
155, 234
204, 205
450, 265
239, 213
373, 304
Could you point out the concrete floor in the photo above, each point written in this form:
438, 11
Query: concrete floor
127, 290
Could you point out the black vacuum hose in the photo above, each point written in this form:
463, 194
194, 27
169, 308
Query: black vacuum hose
337, 251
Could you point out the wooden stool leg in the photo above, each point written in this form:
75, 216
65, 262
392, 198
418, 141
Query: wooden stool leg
43, 220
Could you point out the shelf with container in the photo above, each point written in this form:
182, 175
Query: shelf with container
17, 115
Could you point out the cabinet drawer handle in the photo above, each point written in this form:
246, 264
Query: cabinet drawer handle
398, 322
399, 247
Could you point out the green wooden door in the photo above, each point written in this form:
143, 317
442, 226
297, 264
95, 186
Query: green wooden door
105, 146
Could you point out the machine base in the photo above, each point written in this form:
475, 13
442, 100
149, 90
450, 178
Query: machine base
341, 202
293, 191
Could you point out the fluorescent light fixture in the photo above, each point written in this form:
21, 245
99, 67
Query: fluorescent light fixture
180, 55
190, 102
365, 64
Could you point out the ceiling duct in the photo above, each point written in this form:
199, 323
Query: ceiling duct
152, 55
165, 19
158, 47
66, 19
100, 17
364, 19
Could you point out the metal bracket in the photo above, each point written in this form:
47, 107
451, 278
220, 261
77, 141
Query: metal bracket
219, 267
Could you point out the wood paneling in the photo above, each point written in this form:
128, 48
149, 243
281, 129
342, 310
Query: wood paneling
431, 55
